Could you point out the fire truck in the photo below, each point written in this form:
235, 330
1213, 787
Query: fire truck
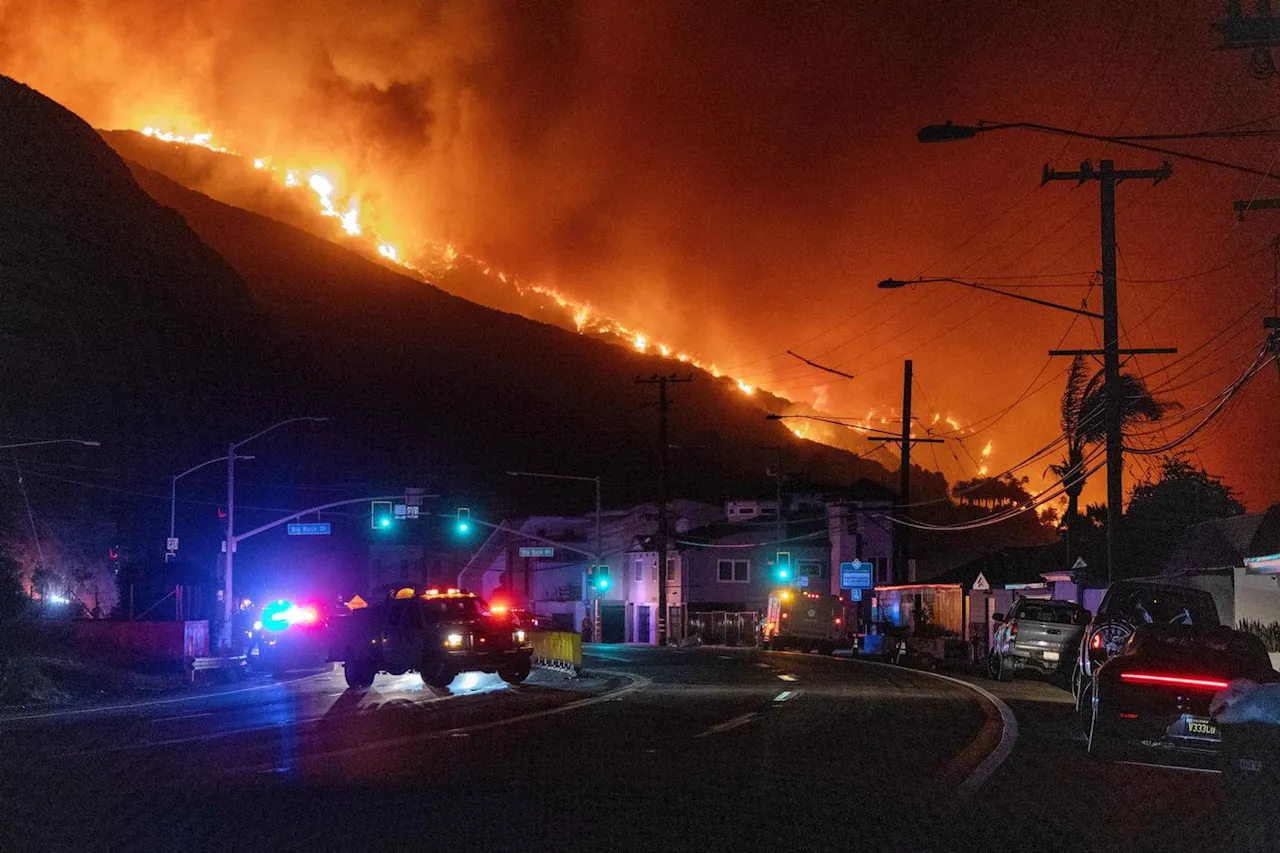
803, 620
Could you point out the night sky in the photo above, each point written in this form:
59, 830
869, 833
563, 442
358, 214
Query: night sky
734, 178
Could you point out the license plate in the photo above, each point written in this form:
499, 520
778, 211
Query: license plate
1050, 655
1198, 727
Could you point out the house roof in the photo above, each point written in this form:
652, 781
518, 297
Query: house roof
1007, 566
1215, 543
1266, 540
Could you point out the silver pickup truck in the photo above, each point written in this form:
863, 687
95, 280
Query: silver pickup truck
1038, 635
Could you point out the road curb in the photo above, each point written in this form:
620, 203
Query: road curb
1007, 723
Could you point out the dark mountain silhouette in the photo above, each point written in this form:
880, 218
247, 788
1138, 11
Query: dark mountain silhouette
450, 388
117, 322
174, 326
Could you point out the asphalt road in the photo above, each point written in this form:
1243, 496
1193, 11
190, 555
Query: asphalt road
706, 749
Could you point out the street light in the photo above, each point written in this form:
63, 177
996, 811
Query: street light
51, 441
230, 544
173, 487
596, 480
894, 284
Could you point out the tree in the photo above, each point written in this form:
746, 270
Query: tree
1161, 510
1084, 424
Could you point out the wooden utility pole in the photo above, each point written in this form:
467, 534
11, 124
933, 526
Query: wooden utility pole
1107, 177
901, 533
664, 531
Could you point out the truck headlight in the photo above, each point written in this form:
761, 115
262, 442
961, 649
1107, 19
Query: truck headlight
453, 641
519, 636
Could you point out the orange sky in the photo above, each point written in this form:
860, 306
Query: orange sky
737, 176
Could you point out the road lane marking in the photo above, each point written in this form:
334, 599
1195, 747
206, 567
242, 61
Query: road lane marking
181, 717
1008, 733
728, 724
765, 665
107, 709
1170, 767
783, 696
787, 677
638, 682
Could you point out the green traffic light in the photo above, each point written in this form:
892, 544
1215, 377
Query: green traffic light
384, 522
602, 583
463, 527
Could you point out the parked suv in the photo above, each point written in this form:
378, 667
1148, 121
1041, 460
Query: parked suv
1038, 635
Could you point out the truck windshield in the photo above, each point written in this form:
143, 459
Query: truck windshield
452, 606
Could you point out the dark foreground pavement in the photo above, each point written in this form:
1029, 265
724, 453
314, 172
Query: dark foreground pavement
660, 749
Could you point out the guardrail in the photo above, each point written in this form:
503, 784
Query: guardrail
209, 664
558, 650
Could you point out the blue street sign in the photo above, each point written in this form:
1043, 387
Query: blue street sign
312, 529
855, 595
855, 575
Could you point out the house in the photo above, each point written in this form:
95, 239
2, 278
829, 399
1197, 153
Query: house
1237, 560
540, 563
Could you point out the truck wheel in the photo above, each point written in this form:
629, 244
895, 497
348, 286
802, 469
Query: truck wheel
358, 672
514, 674
436, 675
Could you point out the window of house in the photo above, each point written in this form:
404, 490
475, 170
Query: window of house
671, 569
638, 564
734, 571
881, 564
747, 510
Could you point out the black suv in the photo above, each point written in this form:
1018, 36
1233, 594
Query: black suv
439, 634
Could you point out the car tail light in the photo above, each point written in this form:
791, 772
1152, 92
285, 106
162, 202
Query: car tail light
1013, 631
1174, 680
1096, 642
839, 620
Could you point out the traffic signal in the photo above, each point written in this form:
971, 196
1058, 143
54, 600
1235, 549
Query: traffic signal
381, 515
463, 524
598, 578
782, 566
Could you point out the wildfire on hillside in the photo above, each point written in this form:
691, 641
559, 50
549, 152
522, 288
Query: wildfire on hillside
428, 259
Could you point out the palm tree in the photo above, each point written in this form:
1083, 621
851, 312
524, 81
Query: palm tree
1084, 423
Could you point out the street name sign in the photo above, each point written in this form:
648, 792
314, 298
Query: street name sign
320, 528
855, 575
526, 551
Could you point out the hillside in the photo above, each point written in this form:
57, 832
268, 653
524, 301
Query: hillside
444, 386
117, 321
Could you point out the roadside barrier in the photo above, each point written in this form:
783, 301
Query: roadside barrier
558, 650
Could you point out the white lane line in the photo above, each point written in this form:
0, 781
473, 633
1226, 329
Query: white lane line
181, 717
725, 657
728, 724
765, 666
1169, 767
106, 709
638, 682
787, 677
783, 696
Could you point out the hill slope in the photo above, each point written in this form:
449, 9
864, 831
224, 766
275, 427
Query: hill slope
447, 386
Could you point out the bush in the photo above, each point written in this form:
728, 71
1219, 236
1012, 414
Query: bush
934, 631
1269, 634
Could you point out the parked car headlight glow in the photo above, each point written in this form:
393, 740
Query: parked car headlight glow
519, 636
453, 641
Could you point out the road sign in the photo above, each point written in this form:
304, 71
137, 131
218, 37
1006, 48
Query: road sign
855, 575
855, 595
312, 529
804, 580
400, 511
980, 583
1079, 564
537, 552
412, 511
171, 544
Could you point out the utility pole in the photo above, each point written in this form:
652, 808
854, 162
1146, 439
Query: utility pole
1107, 177
664, 531
901, 544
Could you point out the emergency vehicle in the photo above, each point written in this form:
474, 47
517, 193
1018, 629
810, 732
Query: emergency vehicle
803, 620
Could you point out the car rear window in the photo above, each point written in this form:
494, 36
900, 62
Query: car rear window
1057, 614
1160, 605
1202, 643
